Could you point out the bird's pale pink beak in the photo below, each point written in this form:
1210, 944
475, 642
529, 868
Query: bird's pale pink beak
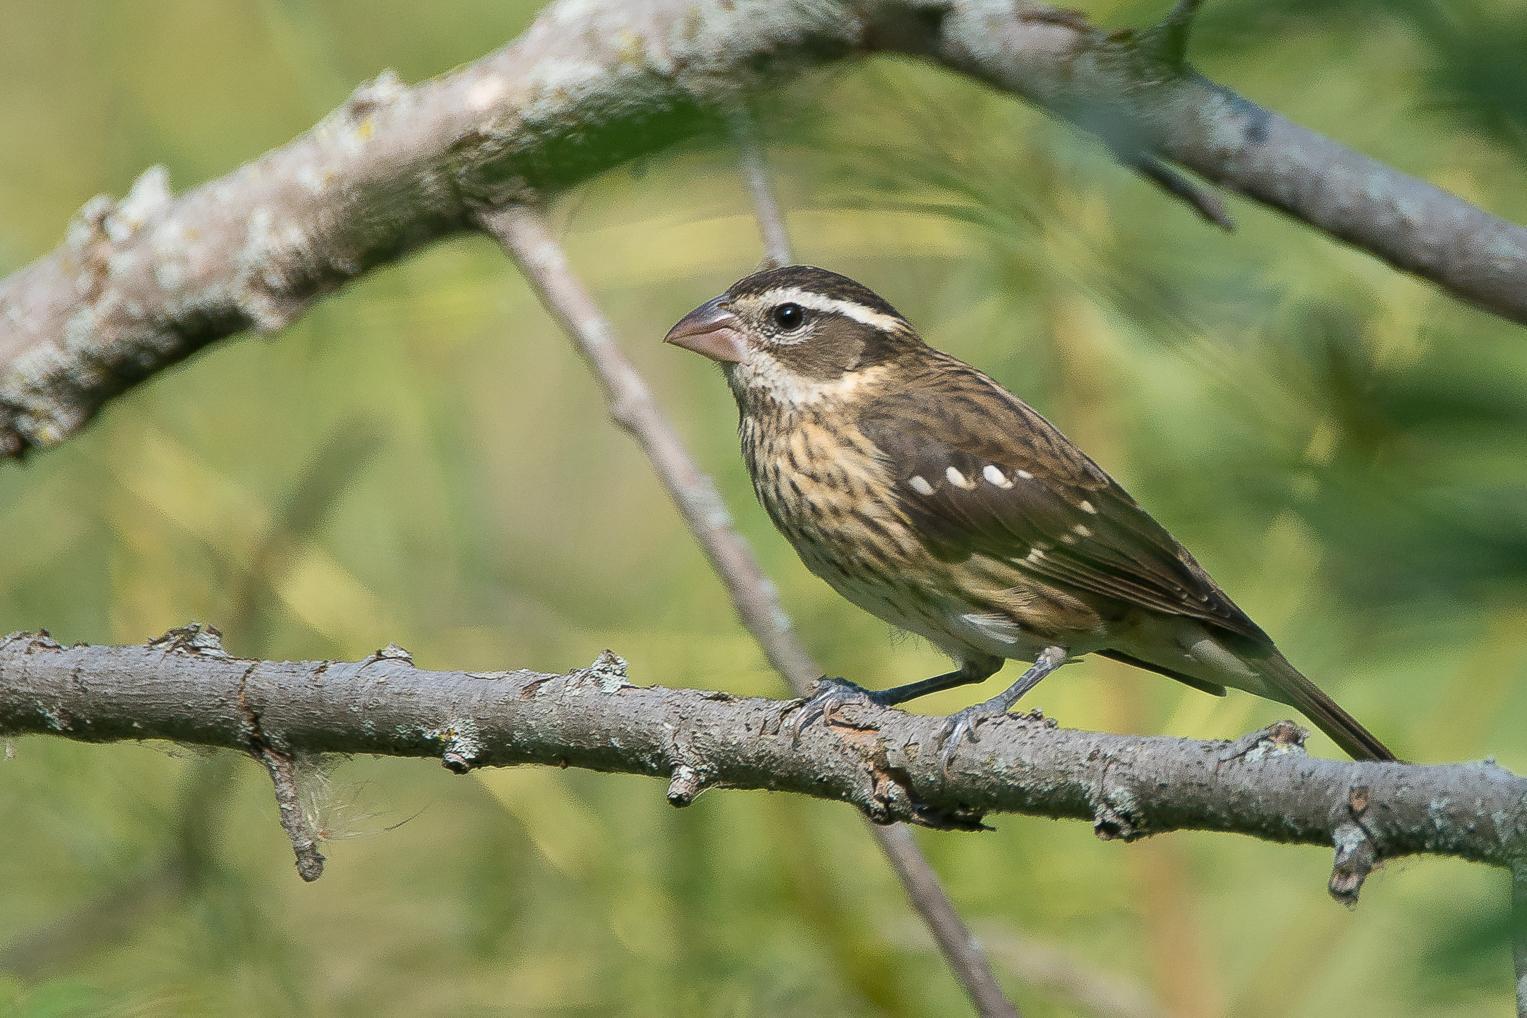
712, 330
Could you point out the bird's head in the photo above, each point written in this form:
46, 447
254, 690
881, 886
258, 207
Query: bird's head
796, 336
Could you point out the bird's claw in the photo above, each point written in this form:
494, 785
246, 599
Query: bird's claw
829, 696
962, 725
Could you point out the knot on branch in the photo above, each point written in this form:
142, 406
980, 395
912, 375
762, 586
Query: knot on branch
890, 792
607, 673
148, 198
391, 652
13, 445
463, 748
1116, 812
689, 773
85, 232
383, 90
687, 782
1355, 858
34, 641
1356, 851
103, 220
193, 639
1278, 738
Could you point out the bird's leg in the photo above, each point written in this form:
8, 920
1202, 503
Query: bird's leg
831, 694
964, 723
977, 670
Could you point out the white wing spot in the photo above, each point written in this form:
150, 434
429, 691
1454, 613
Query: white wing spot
1087, 507
958, 479
1067, 539
996, 476
919, 484
1025, 475
1081, 531
1034, 555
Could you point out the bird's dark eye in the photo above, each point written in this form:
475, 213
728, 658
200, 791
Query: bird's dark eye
788, 316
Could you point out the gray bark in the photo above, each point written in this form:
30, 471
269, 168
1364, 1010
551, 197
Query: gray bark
142, 283
184, 688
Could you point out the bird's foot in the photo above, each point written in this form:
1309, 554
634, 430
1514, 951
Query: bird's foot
830, 695
962, 725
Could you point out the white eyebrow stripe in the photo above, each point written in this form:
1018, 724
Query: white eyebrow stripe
833, 305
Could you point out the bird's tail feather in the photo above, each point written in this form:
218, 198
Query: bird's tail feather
1289, 685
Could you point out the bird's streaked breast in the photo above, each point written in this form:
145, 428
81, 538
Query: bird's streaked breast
829, 491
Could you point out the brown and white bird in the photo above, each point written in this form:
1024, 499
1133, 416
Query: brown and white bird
933, 498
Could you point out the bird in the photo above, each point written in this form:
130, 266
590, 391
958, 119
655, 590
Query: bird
924, 492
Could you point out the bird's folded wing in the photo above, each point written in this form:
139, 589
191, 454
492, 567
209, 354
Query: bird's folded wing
980, 473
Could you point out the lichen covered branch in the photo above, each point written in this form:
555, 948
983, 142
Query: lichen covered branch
141, 283
880, 760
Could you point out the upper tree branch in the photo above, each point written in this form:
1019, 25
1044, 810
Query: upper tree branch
881, 760
141, 283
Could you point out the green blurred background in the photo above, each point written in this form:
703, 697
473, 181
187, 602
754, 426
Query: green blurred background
422, 459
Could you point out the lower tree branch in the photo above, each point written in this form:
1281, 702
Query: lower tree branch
882, 761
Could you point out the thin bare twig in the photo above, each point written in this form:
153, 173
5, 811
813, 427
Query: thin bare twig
1208, 204
524, 234
962, 949
294, 821
755, 172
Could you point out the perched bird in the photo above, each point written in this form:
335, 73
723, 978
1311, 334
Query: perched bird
933, 498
